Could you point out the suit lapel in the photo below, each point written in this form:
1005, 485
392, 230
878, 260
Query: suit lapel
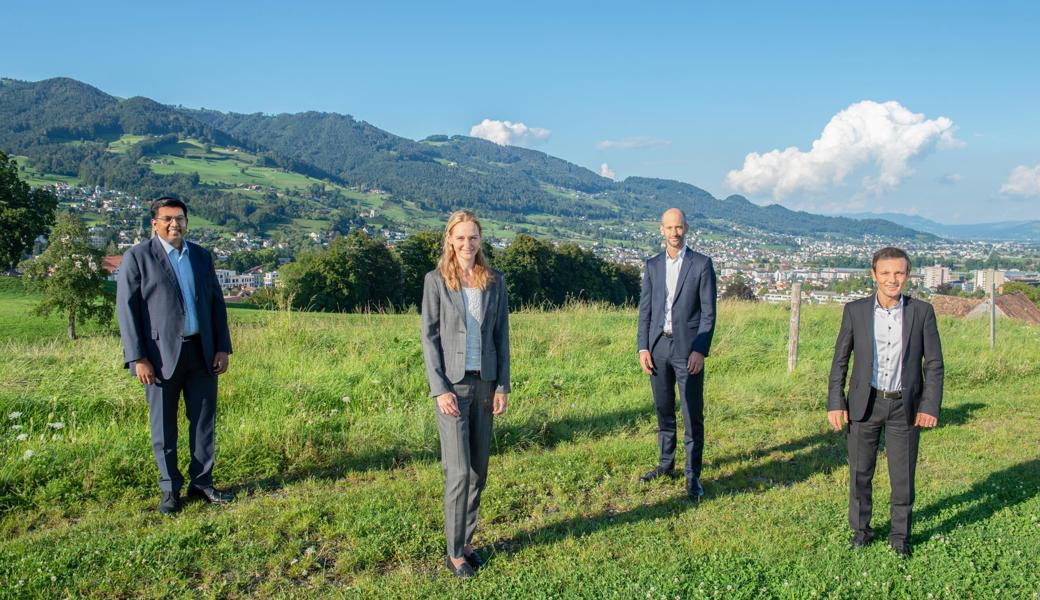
485, 300
164, 261
684, 270
909, 310
455, 297
198, 270
869, 316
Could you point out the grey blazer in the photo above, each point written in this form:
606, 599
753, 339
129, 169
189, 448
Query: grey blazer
693, 306
922, 359
150, 307
444, 334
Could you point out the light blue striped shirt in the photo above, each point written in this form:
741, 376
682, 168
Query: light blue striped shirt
888, 347
186, 278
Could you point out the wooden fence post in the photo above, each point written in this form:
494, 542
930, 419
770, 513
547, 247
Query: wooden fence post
792, 338
992, 310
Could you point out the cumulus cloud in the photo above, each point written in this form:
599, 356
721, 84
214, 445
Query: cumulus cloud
886, 135
606, 171
507, 133
633, 143
1023, 181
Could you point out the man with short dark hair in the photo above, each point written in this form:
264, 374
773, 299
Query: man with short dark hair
174, 329
896, 386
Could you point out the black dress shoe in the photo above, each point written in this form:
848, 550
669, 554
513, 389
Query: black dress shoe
655, 473
463, 571
171, 503
694, 490
474, 560
209, 495
901, 550
860, 539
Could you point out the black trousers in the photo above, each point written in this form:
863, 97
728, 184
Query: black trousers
199, 387
670, 371
901, 445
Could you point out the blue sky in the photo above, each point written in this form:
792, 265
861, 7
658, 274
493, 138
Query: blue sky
933, 107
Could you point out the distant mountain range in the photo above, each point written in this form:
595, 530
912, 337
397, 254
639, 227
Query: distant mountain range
69, 128
996, 231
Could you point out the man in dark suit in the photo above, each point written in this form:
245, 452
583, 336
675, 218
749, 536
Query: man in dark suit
676, 323
174, 329
896, 386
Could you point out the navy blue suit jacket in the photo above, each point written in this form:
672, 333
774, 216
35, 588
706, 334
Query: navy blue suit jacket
150, 307
693, 306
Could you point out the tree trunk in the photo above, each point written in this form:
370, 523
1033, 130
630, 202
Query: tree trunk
72, 325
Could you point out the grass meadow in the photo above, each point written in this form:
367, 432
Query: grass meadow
327, 436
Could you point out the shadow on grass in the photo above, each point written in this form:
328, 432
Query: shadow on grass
535, 433
1003, 489
805, 457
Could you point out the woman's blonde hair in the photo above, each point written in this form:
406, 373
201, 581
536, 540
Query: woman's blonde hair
448, 265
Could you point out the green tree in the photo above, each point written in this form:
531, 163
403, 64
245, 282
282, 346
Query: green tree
355, 273
738, 289
527, 264
418, 253
1033, 293
24, 213
70, 276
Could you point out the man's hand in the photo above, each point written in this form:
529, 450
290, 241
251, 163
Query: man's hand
500, 403
145, 371
926, 420
447, 405
695, 364
220, 363
838, 418
646, 362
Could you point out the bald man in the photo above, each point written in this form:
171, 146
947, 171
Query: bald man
676, 324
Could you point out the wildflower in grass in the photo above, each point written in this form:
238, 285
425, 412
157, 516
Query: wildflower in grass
16, 427
28, 454
56, 425
345, 399
14, 415
22, 437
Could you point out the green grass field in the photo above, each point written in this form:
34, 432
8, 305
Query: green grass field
326, 434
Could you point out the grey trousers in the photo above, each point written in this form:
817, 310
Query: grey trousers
901, 445
193, 379
465, 449
670, 371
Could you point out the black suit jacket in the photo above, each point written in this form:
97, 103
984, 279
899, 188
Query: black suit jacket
922, 359
150, 307
693, 306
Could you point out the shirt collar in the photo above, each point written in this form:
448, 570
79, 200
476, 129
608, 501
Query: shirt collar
168, 247
877, 304
678, 255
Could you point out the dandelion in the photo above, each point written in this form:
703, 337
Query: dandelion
28, 454
53, 578
14, 415
21, 437
56, 425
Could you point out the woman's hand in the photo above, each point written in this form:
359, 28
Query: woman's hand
447, 404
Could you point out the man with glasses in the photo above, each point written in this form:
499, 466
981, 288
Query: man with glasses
174, 329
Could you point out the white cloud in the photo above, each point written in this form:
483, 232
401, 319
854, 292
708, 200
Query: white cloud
1023, 181
886, 135
951, 179
606, 171
633, 143
507, 133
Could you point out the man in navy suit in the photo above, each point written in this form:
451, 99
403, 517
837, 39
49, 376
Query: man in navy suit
676, 324
174, 329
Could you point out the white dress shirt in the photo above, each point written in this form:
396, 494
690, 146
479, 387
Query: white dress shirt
471, 300
671, 281
888, 347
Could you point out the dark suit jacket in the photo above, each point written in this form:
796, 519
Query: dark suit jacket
922, 359
150, 307
693, 307
444, 333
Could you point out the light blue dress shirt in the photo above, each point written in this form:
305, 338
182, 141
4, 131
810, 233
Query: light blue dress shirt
888, 347
186, 278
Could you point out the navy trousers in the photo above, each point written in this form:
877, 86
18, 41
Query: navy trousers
670, 372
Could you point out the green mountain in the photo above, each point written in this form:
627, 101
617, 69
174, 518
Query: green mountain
67, 128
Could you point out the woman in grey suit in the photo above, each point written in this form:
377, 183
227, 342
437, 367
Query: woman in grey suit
465, 341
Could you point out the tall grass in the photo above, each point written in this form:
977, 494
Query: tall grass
326, 432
